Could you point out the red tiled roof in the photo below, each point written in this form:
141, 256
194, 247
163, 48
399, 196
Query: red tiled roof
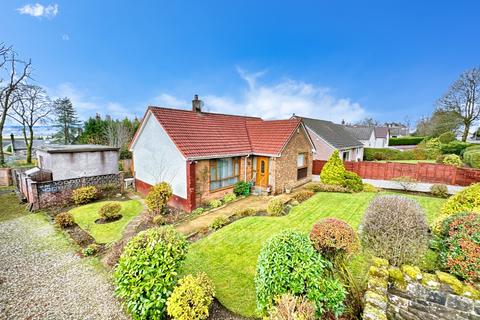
204, 134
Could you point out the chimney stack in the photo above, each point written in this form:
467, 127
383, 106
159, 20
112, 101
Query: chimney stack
197, 104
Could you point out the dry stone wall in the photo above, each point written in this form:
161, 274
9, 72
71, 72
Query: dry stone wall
406, 293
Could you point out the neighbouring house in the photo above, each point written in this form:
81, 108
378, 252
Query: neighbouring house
328, 137
202, 155
64, 168
16, 148
76, 161
397, 130
371, 137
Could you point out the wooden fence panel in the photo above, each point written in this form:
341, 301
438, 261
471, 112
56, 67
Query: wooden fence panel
423, 172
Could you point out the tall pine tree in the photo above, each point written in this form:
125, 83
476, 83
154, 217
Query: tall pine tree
67, 121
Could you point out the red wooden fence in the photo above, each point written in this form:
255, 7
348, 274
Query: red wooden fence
423, 172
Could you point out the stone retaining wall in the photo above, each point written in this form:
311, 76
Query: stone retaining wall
406, 293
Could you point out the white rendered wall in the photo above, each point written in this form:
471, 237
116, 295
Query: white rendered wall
157, 159
71, 165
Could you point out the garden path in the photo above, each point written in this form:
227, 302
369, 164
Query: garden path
41, 277
206, 219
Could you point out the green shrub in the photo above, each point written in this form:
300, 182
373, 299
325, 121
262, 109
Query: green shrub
460, 240
159, 220
84, 195
289, 307
219, 222
447, 137
302, 195
371, 154
275, 206
334, 238
229, 197
247, 212
453, 160
91, 250
454, 147
198, 211
405, 141
215, 203
463, 201
352, 181
472, 158
370, 188
110, 210
64, 220
439, 190
157, 198
191, 298
432, 147
289, 264
321, 187
333, 171
440, 159
147, 271
395, 228
242, 188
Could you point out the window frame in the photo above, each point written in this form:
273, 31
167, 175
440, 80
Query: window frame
214, 164
302, 171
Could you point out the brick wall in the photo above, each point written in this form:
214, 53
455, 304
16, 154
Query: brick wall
285, 167
5, 177
422, 172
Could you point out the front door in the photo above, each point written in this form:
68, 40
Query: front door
262, 172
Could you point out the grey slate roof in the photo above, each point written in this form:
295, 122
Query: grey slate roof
359, 132
381, 132
333, 133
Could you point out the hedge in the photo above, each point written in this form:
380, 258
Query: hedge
371, 154
405, 141
472, 158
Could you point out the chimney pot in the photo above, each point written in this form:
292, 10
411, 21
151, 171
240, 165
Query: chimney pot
196, 104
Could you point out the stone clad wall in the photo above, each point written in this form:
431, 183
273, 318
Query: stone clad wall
406, 293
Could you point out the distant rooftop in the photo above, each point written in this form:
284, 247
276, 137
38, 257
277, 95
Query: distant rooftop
71, 148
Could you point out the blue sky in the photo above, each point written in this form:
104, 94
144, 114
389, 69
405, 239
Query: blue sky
327, 59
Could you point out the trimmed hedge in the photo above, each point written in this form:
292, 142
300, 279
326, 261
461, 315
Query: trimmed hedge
472, 157
405, 141
454, 147
371, 154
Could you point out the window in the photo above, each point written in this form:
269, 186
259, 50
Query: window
224, 172
302, 167
346, 155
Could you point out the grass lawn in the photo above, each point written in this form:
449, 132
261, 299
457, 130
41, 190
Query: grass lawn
86, 215
229, 256
10, 207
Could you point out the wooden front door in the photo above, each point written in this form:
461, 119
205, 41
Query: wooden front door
262, 172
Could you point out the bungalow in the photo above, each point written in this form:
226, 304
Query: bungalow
328, 137
202, 155
371, 137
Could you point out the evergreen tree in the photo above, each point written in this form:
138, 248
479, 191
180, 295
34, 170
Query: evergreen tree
67, 121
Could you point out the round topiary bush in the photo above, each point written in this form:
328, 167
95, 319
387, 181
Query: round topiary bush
460, 245
147, 271
157, 198
110, 210
64, 220
334, 238
439, 190
453, 160
84, 195
352, 181
333, 171
447, 137
289, 264
275, 207
464, 201
288, 307
395, 228
191, 298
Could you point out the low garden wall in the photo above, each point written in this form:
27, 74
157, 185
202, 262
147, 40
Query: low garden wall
5, 177
58, 193
422, 172
406, 293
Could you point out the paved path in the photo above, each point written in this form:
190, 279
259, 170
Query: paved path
42, 278
206, 219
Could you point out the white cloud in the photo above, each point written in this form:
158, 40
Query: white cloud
65, 37
167, 100
38, 10
87, 106
280, 101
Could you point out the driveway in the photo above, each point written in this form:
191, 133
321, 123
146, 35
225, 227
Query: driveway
41, 277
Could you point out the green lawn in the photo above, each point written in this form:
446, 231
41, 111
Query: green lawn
86, 215
229, 256
10, 207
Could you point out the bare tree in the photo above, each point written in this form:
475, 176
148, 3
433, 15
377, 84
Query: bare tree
117, 134
32, 107
463, 98
13, 74
369, 122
